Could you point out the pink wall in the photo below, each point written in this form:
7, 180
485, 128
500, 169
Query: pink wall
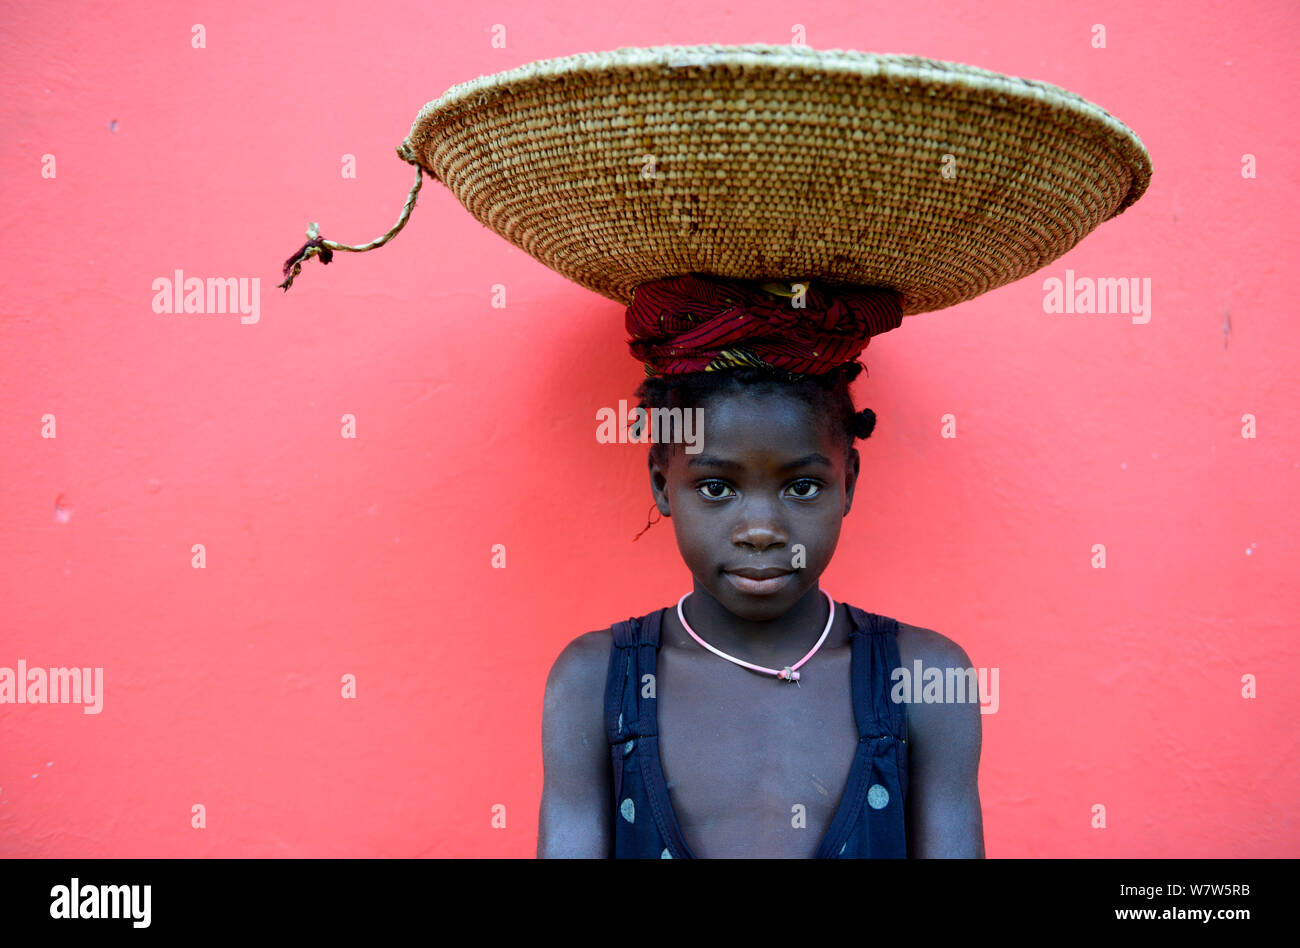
372, 557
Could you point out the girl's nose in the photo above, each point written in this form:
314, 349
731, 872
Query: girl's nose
760, 531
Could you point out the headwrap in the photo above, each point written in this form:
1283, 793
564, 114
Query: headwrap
703, 323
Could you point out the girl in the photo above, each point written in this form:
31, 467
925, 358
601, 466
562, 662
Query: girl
758, 716
698, 730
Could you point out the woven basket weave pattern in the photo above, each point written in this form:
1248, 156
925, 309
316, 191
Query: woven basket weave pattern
834, 175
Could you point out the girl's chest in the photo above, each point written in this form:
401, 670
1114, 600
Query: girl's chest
755, 767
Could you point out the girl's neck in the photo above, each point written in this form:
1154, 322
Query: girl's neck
770, 643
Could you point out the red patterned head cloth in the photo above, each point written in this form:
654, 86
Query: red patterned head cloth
703, 323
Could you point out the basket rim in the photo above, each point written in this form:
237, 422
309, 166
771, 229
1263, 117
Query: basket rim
761, 59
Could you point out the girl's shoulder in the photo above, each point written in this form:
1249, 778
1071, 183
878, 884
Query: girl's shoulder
931, 647
590, 651
584, 655
914, 641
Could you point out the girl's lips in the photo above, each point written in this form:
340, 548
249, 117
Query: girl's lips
759, 587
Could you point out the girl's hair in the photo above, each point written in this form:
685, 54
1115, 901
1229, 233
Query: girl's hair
827, 393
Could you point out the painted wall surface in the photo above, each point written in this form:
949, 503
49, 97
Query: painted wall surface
371, 556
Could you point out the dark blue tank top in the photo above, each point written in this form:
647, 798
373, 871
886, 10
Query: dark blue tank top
870, 821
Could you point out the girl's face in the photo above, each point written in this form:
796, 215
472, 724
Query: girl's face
767, 493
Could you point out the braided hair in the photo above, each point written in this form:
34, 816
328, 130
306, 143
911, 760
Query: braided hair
827, 393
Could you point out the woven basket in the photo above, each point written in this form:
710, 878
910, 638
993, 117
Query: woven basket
938, 179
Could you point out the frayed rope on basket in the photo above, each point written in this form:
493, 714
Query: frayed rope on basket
318, 246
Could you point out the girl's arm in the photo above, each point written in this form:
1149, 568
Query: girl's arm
577, 786
943, 801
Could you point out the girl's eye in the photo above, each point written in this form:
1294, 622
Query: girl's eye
813, 486
705, 486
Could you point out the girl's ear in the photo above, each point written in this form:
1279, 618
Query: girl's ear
851, 466
658, 485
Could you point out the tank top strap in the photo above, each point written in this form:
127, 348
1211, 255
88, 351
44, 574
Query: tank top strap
643, 823
632, 657
875, 660
875, 657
